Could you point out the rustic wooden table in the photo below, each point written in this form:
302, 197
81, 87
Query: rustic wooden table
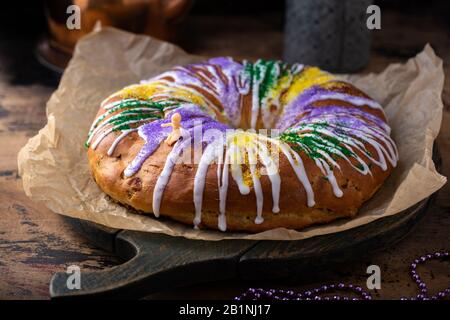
35, 242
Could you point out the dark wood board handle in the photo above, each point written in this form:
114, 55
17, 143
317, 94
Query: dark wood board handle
159, 262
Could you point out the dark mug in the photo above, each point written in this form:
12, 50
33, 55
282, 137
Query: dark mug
330, 34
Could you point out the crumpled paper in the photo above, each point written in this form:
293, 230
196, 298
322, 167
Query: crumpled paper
54, 166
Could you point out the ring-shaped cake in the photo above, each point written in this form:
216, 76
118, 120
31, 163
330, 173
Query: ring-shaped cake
259, 146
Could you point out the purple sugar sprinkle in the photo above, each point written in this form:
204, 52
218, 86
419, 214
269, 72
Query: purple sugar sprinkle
153, 133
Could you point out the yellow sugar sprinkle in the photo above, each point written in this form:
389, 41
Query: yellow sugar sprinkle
247, 178
336, 84
247, 175
243, 139
146, 91
281, 85
309, 77
139, 91
188, 96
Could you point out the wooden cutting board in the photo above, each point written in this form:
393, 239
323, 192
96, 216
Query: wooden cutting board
154, 262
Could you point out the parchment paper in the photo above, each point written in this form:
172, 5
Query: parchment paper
54, 166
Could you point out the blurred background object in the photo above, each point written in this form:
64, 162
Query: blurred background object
330, 34
157, 18
249, 29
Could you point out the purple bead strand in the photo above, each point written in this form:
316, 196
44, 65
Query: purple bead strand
423, 295
315, 294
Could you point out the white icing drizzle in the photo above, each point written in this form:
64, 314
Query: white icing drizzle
223, 190
230, 102
255, 100
164, 177
104, 124
222, 221
209, 155
256, 185
273, 174
358, 101
206, 77
296, 68
233, 158
101, 136
349, 143
273, 98
267, 116
328, 172
244, 82
115, 103
299, 169
177, 86
118, 139
236, 170
102, 127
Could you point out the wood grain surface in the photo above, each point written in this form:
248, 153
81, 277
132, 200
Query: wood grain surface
156, 262
35, 243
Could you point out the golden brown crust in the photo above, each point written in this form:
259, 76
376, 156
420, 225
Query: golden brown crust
177, 202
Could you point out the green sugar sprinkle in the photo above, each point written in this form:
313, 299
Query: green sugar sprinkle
125, 118
266, 73
271, 76
313, 142
131, 112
